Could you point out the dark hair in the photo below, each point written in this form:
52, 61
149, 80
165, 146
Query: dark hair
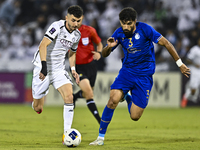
127, 14
75, 10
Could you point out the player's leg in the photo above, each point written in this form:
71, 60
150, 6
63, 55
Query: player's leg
68, 112
140, 96
88, 95
115, 97
39, 90
192, 90
63, 83
38, 104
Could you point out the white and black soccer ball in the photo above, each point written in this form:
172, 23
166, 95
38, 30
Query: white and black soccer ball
72, 138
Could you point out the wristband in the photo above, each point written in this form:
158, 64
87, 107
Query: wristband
73, 68
179, 62
44, 68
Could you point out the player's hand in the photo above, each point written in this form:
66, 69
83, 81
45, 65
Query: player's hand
76, 76
43, 71
185, 70
111, 42
96, 55
41, 76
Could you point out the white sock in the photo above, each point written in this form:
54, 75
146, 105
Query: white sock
99, 137
68, 113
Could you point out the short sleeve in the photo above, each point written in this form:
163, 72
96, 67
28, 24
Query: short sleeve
95, 38
151, 33
52, 31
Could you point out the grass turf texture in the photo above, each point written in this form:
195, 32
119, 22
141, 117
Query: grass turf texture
158, 129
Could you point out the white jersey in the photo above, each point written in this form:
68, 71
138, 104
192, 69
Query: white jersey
62, 41
194, 56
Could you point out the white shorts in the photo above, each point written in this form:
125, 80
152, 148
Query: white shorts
194, 80
57, 79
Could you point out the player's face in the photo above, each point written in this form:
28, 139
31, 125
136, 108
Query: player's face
72, 22
128, 27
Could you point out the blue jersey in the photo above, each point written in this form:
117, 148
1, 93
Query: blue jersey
138, 48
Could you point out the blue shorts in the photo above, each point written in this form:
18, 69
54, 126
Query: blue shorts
140, 86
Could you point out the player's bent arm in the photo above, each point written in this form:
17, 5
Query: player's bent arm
99, 47
164, 42
184, 69
43, 53
72, 58
111, 42
43, 48
72, 61
106, 51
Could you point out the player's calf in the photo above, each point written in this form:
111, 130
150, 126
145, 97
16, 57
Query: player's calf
38, 109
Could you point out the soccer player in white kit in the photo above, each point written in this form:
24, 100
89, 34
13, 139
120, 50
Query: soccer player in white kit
193, 58
62, 36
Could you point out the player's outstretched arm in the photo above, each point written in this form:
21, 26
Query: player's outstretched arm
184, 69
111, 42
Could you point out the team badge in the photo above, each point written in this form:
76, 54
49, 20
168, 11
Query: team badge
52, 30
137, 36
85, 41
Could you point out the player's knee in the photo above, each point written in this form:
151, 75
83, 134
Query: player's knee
112, 103
68, 98
89, 95
135, 117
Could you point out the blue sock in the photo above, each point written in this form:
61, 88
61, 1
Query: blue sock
105, 120
128, 99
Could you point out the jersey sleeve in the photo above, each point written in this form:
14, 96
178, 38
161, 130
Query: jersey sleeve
151, 33
95, 37
52, 31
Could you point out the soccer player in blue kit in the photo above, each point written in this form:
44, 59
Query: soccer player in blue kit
138, 66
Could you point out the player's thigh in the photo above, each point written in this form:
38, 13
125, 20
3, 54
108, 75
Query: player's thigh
63, 83
115, 96
38, 102
66, 92
136, 112
86, 88
141, 91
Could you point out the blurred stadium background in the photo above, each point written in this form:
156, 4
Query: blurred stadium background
23, 23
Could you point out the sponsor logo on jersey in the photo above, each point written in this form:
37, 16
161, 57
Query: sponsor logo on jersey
66, 43
52, 30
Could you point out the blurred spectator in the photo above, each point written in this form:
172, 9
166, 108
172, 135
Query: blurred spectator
21, 30
9, 10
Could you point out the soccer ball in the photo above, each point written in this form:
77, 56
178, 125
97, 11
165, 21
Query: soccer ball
72, 138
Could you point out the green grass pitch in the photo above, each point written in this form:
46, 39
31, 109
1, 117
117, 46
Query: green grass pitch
158, 129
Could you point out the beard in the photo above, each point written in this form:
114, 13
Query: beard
71, 28
128, 33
